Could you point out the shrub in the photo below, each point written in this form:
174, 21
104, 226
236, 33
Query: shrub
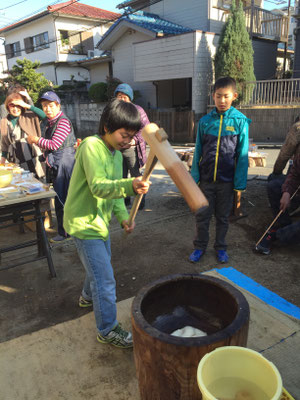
234, 56
98, 92
112, 83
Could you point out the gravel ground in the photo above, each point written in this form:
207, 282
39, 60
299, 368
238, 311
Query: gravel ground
159, 246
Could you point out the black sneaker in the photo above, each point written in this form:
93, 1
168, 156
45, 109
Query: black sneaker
264, 247
83, 303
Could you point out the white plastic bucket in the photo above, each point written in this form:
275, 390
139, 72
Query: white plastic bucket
229, 370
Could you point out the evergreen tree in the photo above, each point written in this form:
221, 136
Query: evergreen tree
234, 56
24, 72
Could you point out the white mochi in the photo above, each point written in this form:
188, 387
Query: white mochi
188, 331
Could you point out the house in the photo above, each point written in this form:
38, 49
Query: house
59, 36
165, 48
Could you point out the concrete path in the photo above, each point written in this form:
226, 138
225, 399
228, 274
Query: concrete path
65, 361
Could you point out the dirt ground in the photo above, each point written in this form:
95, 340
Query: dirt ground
160, 245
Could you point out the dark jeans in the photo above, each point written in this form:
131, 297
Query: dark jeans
220, 198
289, 234
131, 164
62, 162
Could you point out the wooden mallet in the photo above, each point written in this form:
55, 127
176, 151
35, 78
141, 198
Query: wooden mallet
161, 149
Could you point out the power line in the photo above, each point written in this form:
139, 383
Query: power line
71, 35
127, 12
38, 11
5, 8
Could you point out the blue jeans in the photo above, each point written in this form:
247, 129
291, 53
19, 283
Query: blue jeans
99, 284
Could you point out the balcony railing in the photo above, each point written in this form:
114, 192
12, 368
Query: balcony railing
266, 24
276, 92
69, 49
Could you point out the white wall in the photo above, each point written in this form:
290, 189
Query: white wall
164, 58
65, 73
123, 67
191, 14
217, 19
98, 72
33, 28
205, 49
49, 72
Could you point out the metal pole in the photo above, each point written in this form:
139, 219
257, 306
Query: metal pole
251, 19
286, 42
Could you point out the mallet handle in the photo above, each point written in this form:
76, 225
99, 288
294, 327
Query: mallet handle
149, 167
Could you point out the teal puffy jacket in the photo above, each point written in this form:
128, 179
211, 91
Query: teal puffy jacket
221, 152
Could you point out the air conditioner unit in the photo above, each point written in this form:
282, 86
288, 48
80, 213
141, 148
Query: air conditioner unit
91, 53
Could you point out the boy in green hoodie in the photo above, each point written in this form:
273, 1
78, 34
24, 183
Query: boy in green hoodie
97, 190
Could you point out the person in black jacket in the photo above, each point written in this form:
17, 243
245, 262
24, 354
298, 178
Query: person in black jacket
288, 232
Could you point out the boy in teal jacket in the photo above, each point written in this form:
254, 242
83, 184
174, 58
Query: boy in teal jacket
220, 165
97, 190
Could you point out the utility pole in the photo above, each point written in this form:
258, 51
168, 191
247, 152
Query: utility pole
251, 19
287, 42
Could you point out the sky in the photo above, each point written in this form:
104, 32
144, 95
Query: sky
11, 11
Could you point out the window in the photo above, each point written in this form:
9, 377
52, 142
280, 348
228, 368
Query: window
13, 50
37, 42
40, 41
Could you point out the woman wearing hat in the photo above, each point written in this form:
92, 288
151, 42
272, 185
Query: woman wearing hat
134, 157
15, 127
57, 144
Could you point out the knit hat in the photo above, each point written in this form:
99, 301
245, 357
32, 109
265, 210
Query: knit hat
50, 96
126, 89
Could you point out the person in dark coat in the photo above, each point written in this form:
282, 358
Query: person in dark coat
134, 157
288, 232
58, 145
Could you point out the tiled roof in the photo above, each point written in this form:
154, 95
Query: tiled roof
75, 8
69, 8
151, 22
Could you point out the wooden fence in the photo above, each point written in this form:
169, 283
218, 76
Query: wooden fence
179, 125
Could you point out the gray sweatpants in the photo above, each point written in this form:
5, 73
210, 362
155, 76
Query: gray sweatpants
220, 198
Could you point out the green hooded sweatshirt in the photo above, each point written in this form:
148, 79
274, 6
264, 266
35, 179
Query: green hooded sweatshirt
96, 191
